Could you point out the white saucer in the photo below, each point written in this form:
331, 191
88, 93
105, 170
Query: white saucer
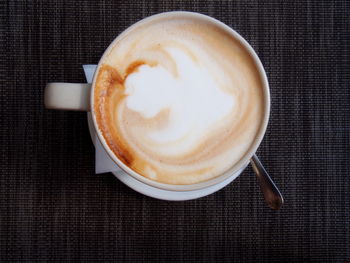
160, 193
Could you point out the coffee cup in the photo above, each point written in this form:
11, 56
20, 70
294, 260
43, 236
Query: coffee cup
179, 101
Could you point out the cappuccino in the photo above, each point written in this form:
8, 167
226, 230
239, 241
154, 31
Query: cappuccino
178, 100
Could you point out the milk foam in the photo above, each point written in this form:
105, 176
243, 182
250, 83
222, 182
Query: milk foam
193, 98
179, 101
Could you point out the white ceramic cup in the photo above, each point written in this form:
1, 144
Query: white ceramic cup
80, 97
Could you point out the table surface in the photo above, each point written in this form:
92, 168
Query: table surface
54, 208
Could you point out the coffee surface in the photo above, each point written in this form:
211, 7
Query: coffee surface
178, 100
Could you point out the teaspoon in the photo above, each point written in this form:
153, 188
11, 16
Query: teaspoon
272, 195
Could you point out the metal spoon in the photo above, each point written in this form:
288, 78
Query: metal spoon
272, 195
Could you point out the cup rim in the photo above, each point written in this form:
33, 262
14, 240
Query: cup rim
253, 147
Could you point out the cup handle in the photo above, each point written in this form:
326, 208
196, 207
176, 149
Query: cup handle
67, 96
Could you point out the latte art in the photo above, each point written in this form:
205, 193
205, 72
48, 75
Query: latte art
179, 102
192, 99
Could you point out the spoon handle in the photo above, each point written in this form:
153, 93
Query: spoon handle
272, 195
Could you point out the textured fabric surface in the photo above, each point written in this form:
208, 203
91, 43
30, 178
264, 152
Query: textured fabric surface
53, 207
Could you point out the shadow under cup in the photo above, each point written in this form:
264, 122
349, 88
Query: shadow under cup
236, 169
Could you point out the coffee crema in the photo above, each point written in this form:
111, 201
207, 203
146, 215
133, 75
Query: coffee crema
179, 101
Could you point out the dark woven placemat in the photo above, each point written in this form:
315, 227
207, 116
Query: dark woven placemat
53, 207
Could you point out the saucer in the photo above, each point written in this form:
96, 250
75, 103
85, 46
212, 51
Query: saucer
160, 193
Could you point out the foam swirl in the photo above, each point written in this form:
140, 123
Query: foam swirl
180, 102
